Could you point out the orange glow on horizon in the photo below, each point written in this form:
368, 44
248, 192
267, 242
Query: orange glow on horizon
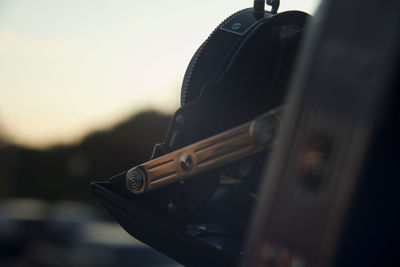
70, 67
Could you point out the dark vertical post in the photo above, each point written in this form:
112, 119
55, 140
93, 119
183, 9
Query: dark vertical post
337, 98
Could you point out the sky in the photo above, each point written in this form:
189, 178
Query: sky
71, 67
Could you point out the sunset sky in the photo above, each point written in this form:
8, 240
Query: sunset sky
71, 67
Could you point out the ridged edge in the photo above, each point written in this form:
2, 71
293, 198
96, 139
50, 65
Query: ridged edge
192, 64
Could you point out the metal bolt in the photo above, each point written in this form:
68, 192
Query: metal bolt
186, 162
236, 26
134, 180
264, 131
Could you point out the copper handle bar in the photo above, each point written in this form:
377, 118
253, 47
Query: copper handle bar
234, 144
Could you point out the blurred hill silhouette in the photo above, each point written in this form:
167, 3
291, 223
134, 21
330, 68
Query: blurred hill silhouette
64, 172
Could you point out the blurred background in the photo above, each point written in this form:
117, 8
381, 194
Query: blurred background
86, 89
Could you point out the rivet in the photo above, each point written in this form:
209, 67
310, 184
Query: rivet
186, 162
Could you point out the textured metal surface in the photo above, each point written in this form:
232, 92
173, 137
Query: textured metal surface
207, 154
187, 79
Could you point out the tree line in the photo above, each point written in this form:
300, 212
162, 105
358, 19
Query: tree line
65, 172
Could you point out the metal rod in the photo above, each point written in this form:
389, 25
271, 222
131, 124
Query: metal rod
231, 145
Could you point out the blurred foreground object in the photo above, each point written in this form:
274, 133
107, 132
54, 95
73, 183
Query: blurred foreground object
326, 196
330, 196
